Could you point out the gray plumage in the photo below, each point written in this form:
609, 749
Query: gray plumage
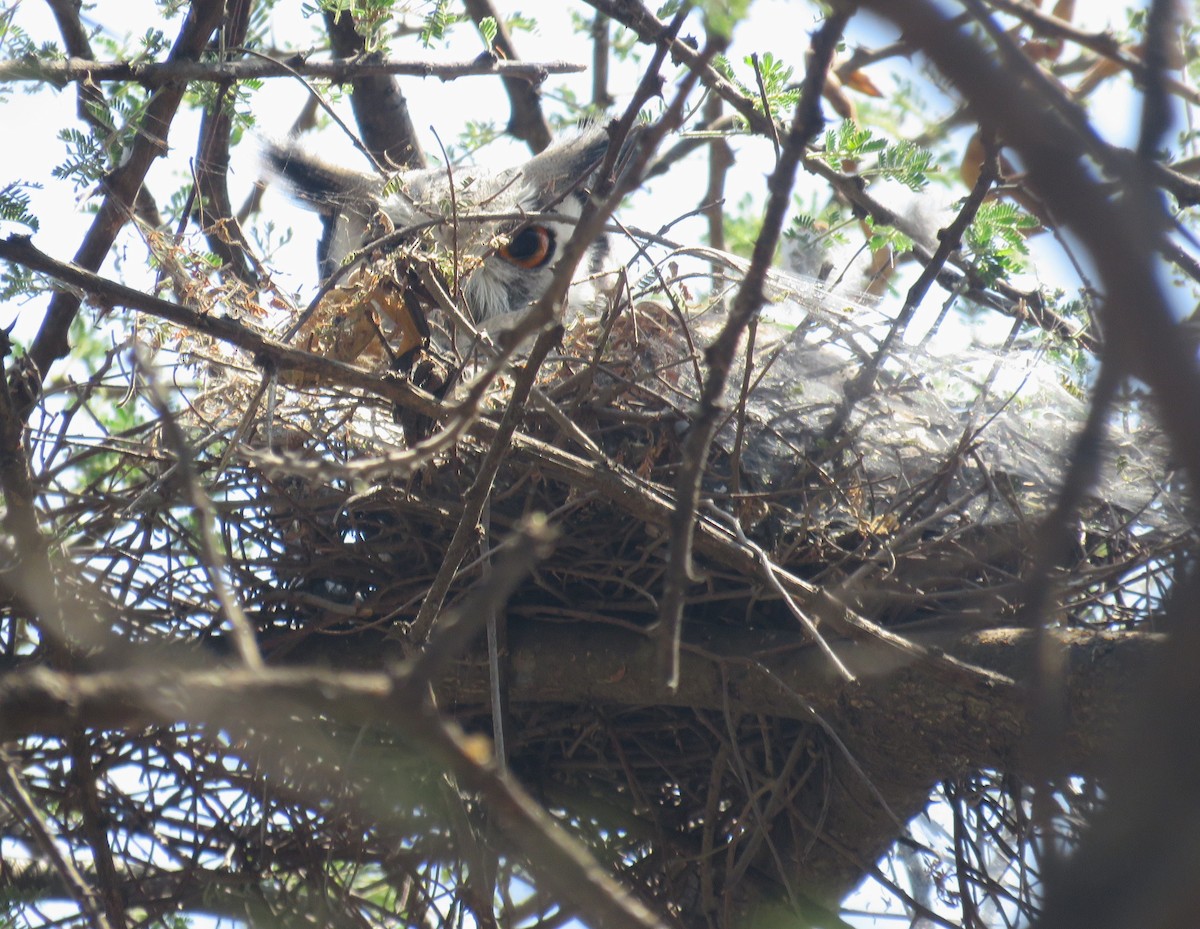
504, 273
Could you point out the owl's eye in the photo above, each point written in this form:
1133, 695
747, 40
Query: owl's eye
530, 248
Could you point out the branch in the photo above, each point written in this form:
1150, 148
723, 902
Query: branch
134, 698
22, 804
214, 214
1000, 296
267, 352
1103, 44
78, 45
651, 30
769, 673
158, 74
379, 106
949, 240
526, 121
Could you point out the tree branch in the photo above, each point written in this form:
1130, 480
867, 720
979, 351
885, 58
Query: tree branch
157, 74
774, 674
526, 121
266, 351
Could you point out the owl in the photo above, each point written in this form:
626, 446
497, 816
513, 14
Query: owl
812, 341
474, 216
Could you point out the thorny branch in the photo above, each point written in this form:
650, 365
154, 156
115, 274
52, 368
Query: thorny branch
16, 796
1103, 44
527, 121
280, 357
381, 110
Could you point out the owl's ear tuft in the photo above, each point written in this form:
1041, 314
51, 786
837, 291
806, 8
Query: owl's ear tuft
570, 164
345, 199
319, 185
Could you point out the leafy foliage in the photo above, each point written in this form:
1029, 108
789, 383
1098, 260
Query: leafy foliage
901, 161
438, 21
372, 18
86, 160
884, 237
16, 43
14, 204
488, 30
995, 240
17, 282
776, 77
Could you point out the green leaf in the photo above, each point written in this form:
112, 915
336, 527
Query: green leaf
720, 16
438, 22
488, 29
903, 162
86, 162
995, 240
14, 204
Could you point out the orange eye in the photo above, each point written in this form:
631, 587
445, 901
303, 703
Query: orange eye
532, 247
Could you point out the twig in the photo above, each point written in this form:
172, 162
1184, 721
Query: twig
768, 571
377, 100
1103, 44
719, 356
481, 487
526, 121
267, 352
22, 804
529, 543
949, 240
92, 825
650, 29
212, 559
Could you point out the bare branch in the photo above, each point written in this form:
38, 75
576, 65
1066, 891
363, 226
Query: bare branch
17, 797
339, 71
584, 663
526, 120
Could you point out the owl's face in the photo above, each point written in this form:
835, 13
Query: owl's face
507, 263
